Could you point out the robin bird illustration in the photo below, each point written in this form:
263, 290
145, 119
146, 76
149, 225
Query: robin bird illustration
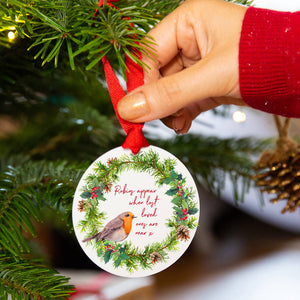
115, 230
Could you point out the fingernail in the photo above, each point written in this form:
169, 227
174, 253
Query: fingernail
133, 106
178, 125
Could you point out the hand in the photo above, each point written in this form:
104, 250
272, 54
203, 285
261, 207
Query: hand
195, 68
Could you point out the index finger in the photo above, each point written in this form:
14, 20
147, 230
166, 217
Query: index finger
165, 46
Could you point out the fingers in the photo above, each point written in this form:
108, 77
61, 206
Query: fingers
181, 121
164, 49
175, 45
174, 66
165, 96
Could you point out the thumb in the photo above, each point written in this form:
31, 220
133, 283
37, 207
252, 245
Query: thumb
165, 96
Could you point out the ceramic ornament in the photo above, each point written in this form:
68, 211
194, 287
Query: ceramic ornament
135, 215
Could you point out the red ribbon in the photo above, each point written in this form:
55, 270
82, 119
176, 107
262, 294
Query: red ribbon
93, 287
135, 139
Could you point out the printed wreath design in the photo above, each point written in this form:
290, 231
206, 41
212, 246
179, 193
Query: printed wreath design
124, 254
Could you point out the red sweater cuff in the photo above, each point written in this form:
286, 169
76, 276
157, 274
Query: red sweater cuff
269, 61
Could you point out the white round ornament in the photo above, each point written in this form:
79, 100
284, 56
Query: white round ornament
135, 215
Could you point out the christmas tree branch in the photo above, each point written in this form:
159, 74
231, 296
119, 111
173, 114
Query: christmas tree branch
75, 125
24, 190
30, 279
61, 27
27, 188
217, 159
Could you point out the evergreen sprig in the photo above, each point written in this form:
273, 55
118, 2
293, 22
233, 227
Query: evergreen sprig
70, 27
213, 160
159, 9
143, 162
76, 125
60, 27
30, 279
24, 190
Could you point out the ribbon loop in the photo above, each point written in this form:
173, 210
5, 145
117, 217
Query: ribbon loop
135, 139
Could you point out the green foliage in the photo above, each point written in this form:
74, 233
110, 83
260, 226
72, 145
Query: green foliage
243, 2
213, 160
60, 27
69, 28
158, 9
26, 188
30, 279
63, 113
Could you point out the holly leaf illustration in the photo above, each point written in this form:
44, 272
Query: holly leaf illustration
122, 249
124, 256
171, 192
107, 256
101, 197
173, 174
192, 211
86, 195
179, 177
95, 182
176, 200
98, 193
179, 213
167, 180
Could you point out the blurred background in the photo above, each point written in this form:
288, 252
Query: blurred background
244, 248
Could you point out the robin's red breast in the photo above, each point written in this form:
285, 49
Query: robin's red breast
115, 230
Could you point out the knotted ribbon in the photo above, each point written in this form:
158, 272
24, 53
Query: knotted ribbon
135, 139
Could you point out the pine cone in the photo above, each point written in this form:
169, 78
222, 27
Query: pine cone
281, 177
81, 205
155, 257
107, 187
111, 160
183, 233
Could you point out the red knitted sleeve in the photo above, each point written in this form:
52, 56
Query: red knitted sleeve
269, 61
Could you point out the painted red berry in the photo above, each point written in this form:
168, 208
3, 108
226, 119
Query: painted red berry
184, 211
